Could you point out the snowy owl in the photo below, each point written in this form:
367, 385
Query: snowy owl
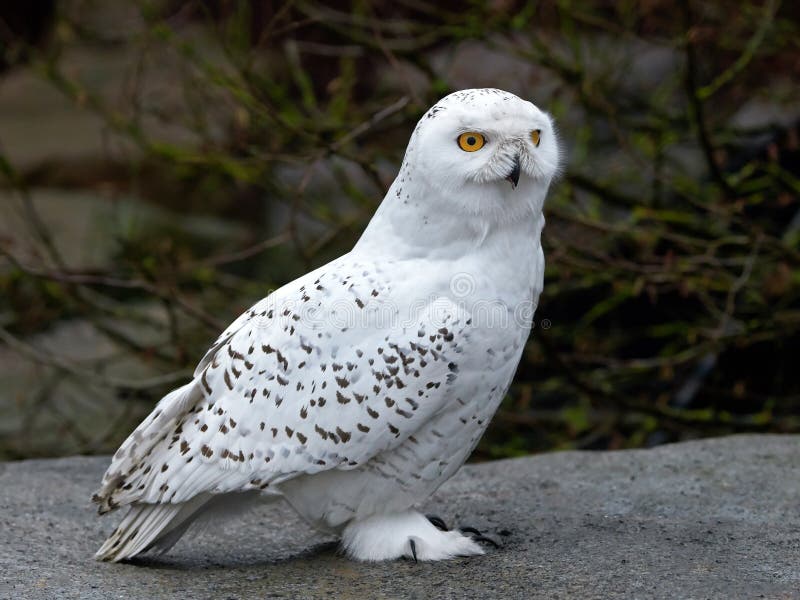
355, 391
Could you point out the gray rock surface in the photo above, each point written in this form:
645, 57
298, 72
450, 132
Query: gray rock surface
709, 519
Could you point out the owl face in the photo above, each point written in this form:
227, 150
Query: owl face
485, 150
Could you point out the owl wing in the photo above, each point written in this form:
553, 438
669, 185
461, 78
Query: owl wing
323, 374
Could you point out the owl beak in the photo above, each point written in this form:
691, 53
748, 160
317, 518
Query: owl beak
513, 176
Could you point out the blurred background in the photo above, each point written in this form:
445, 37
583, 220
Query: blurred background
165, 163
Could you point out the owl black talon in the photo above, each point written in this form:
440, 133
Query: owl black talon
413, 545
437, 522
487, 540
478, 536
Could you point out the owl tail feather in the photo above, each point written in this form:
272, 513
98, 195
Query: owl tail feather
151, 527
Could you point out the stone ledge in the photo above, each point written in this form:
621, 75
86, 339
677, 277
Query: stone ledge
708, 519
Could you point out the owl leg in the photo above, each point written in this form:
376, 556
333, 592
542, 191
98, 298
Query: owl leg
406, 534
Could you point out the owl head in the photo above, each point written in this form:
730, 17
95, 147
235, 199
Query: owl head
485, 152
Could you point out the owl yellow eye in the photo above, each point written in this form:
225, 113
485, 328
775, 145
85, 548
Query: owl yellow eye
471, 141
536, 136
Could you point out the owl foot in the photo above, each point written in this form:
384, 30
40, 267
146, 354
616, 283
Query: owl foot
476, 535
405, 535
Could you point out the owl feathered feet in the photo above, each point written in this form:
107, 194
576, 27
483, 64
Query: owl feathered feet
407, 535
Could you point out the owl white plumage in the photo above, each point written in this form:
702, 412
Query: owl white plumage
356, 390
